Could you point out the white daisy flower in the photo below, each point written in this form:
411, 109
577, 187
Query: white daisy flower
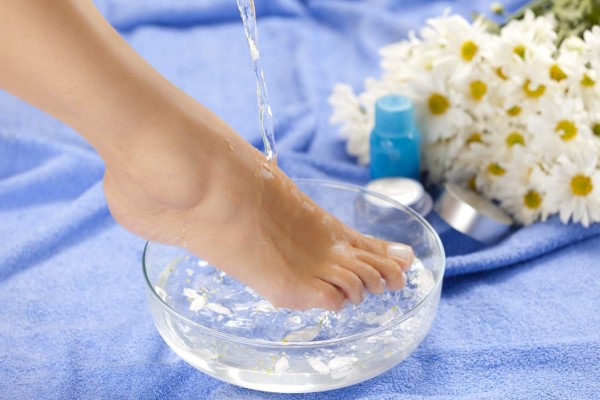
592, 40
577, 78
591, 78
438, 108
493, 168
463, 174
462, 167
567, 67
523, 44
399, 61
462, 45
508, 114
574, 44
562, 128
524, 196
479, 168
524, 93
509, 140
356, 122
586, 85
434, 38
574, 189
475, 132
594, 114
477, 90
439, 157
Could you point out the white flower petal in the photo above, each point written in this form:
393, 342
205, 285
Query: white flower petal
318, 366
304, 335
341, 366
282, 365
219, 309
190, 293
198, 303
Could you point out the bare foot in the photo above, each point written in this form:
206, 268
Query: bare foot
206, 189
175, 173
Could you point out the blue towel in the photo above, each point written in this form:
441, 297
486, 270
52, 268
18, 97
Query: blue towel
518, 320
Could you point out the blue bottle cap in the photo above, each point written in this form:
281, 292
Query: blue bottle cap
394, 114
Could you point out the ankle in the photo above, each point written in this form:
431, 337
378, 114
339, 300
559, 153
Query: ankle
167, 165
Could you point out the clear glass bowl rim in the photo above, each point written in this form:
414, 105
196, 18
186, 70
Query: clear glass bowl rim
327, 342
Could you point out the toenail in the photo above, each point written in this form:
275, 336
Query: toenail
382, 283
400, 250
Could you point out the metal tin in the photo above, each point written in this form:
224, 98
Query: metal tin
472, 214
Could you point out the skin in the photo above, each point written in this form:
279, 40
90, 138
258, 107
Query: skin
178, 174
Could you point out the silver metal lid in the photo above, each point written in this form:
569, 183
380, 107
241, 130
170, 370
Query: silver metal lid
472, 214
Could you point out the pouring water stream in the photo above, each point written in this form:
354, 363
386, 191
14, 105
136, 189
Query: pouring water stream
248, 13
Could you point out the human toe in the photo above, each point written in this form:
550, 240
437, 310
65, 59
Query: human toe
389, 269
372, 280
399, 252
346, 280
328, 296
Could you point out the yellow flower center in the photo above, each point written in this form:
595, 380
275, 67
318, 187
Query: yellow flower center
514, 111
478, 90
581, 185
474, 138
587, 81
496, 169
515, 138
538, 92
438, 104
557, 74
532, 200
596, 129
497, 8
500, 74
468, 50
472, 183
520, 51
568, 129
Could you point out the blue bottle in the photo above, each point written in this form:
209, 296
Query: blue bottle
395, 140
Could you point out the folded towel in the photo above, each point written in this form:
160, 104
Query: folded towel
74, 320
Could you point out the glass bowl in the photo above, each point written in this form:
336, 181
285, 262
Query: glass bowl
227, 331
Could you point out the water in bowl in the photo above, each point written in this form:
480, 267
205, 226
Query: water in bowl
253, 344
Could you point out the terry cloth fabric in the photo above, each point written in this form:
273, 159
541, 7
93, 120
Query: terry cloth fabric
518, 320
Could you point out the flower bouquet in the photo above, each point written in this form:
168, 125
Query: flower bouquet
511, 111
